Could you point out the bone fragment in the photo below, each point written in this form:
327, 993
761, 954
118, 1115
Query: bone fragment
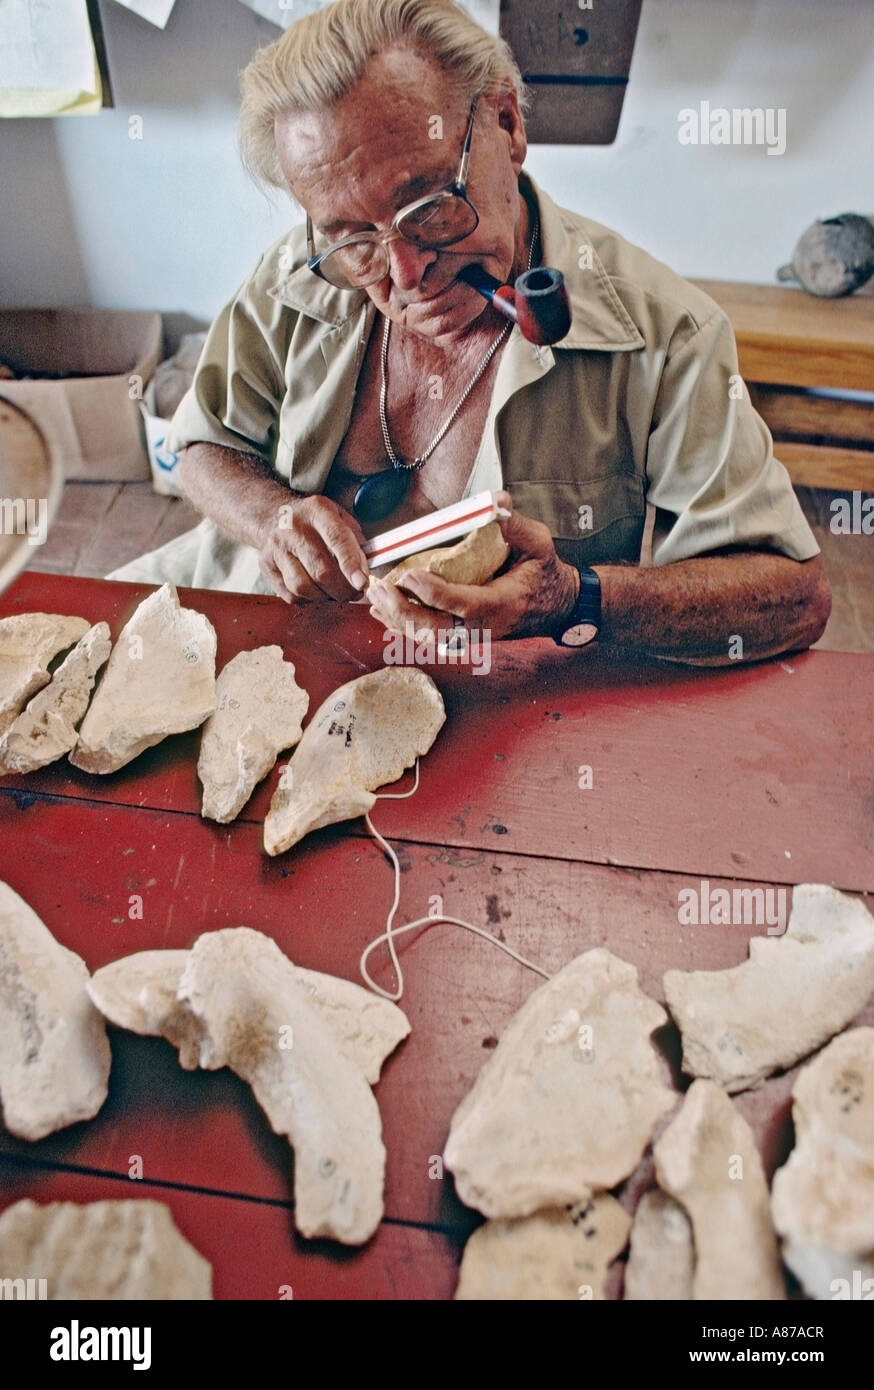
473, 560
824, 1195
127, 1249
256, 1021
568, 1100
29, 642
549, 1255
47, 729
793, 994
140, 993
361, 738
160, 680
708, 1161
54, 1053
258, 713
661, 1260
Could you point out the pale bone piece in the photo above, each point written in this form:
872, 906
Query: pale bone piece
473, 560
793, 994
47, 729
708, 1161
824, 1193
257, 1021
661, 1258
828, 1275
139, 992
361, 738
566, 1104
160, 680
550, 1255
259, 708
29, 642
110, 1250
54, 1053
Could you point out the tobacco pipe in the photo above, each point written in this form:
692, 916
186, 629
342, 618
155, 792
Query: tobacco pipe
538, 301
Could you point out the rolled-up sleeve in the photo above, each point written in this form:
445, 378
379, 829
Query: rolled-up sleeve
711, 472
239, 383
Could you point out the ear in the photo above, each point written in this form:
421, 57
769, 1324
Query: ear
510, 120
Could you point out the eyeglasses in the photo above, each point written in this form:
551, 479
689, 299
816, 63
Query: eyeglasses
439, 219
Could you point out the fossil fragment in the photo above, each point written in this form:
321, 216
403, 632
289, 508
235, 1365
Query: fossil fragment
661, 1260
47, 728
140, 992
160, 680
259, 708
367, 1028
54, 1053
127, 1249
257, 1021
361, 738
708, 1161
567, 1102
824, 1195
793, 994
29, 642
473, 560
550, 1255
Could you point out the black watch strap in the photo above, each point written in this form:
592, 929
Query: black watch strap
584, 621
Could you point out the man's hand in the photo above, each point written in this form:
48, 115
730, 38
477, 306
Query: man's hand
529, 599
310, 548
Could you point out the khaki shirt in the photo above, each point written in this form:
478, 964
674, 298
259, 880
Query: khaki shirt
634, 415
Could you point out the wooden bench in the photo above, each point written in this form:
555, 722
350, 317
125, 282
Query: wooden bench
791, 347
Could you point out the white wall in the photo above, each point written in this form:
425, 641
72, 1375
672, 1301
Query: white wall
88, 216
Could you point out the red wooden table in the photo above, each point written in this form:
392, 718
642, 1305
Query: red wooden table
762, 775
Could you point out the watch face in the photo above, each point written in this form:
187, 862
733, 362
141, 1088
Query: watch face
580, 635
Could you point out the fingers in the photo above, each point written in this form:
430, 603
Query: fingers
314, 548
274, 578
391, 607
311, 554
295, 578
471, 602
343, 539
525, 536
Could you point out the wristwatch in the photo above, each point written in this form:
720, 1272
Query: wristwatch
584, 622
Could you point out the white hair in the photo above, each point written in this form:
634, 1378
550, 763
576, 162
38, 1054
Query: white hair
322, 57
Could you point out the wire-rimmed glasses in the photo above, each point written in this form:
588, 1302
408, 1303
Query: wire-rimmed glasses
439, 219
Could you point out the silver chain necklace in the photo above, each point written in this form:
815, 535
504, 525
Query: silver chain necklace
417, 463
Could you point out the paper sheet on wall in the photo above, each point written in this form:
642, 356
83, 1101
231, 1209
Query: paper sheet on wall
48, 66
285, 12
155, 11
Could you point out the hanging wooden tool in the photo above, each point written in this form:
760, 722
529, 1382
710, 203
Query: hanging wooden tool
575, 56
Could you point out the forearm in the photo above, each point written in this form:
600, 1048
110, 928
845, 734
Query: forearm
235, 490
717, 609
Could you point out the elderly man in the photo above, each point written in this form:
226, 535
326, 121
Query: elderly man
355, 382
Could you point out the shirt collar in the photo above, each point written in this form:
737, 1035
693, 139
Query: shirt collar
600, 321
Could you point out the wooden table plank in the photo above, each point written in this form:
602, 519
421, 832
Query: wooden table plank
764, 770
253, 1249
789, 337
78, 864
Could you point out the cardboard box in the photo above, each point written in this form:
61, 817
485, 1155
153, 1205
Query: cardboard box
104, 359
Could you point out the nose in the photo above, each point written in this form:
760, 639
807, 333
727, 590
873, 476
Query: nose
408, 263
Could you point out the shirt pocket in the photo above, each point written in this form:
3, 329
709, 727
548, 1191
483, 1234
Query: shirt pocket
591, 521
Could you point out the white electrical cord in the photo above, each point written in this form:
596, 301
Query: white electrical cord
391, 931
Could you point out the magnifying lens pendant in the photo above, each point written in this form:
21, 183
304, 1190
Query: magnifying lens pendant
381, 493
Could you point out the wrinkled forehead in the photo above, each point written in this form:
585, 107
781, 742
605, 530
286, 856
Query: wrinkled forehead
396, 136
